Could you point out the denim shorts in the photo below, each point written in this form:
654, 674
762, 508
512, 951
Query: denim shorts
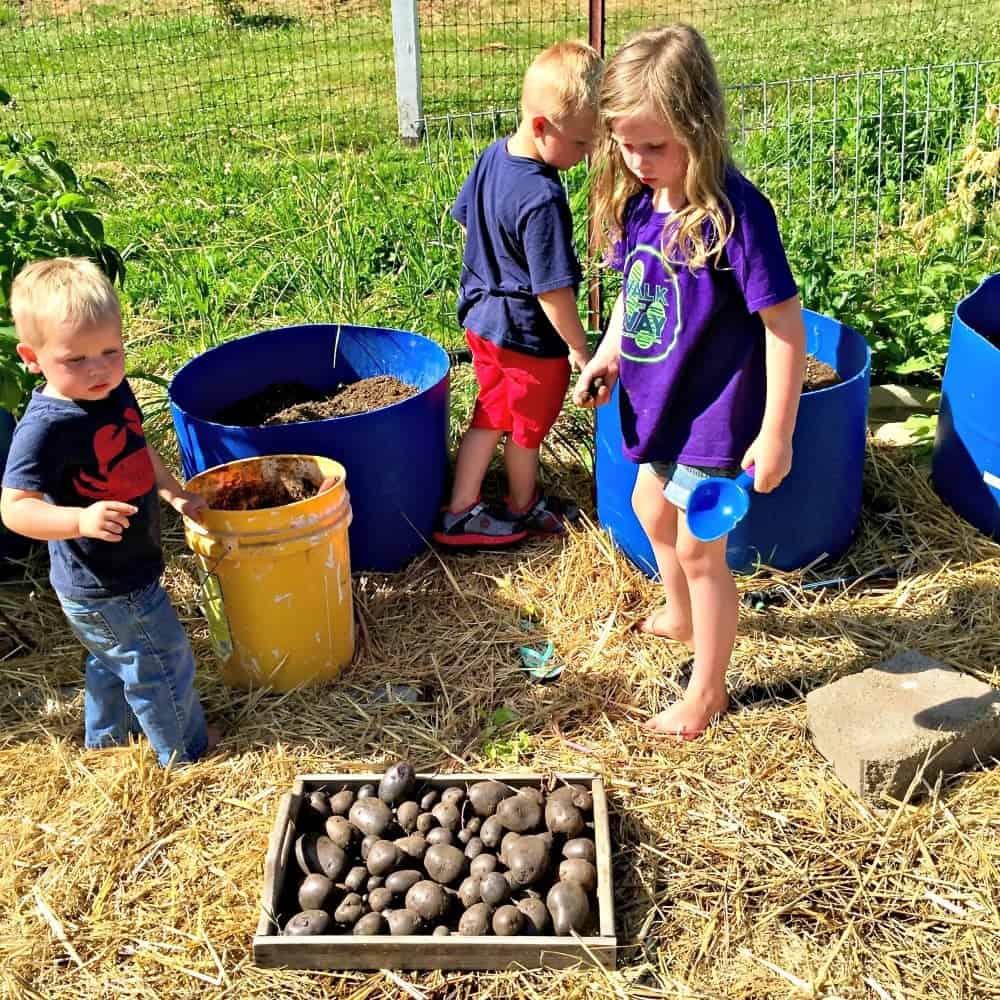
139, 673
681, 479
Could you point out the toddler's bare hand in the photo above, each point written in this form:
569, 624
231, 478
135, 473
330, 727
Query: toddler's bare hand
189, 504
578, 359
106, 520
594, 386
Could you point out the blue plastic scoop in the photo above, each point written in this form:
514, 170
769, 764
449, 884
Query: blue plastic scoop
716, 505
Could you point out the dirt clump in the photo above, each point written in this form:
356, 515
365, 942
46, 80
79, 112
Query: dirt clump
293, 402
255, 495
819, 375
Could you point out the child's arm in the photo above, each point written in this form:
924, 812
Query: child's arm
170, 490
28, 513
604, 364
559, 306
785, 357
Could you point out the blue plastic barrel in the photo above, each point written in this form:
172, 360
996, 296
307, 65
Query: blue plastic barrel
816, 509
396, 456
966, 462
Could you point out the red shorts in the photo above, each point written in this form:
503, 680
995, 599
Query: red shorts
518, 393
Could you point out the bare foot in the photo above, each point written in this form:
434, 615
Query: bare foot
661, 624
213, 735
688, 718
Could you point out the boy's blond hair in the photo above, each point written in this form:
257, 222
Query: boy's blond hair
64, 290
562, 82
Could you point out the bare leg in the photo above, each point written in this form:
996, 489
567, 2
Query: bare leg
714, 605
474, 456
522, 474
658, 518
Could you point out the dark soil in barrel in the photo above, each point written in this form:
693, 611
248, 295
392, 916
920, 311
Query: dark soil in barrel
819, 375
292, 402
255, 495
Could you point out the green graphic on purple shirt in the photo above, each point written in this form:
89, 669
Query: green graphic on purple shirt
649, 310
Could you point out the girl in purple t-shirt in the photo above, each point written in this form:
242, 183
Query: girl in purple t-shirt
706, 337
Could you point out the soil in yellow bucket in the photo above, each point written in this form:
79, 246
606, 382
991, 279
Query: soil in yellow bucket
275, 570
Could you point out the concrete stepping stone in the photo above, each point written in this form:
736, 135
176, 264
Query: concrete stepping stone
879, 727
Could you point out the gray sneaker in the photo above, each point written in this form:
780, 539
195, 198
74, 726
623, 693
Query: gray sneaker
546, 516
477, 527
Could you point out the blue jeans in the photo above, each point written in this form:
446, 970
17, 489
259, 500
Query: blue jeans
681, 479
139, 673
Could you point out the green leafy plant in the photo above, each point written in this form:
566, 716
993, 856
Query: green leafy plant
503, 743
46, 210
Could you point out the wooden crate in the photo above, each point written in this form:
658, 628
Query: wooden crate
345, 951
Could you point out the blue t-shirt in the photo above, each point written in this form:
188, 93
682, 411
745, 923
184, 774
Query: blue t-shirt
519, 243
692, 357
78, 452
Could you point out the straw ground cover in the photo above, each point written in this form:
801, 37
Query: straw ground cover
743, 868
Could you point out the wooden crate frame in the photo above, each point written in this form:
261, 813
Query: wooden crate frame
424, 951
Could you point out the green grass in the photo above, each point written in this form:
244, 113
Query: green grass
258, 181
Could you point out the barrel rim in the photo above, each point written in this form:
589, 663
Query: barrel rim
184, 372
864, 372
959, 321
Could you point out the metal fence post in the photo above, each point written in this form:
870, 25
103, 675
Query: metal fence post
596, 18
406, 45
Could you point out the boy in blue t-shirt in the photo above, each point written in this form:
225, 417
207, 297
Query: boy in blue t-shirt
81, 476
517, 299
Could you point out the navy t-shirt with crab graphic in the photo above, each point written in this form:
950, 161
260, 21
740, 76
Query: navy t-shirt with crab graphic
75, 453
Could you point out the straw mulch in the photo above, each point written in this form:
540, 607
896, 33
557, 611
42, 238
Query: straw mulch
743, 868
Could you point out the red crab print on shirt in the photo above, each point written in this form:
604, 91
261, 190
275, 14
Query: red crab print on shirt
125, 479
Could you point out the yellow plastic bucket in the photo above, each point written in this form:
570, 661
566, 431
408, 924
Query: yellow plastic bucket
276, 580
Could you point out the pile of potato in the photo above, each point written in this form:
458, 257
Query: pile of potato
481, 859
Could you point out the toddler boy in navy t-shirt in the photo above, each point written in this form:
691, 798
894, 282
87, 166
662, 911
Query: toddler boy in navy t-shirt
517, 297
81, 476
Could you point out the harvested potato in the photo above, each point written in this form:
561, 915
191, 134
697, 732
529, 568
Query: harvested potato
340, 831
340, 804
447, 815
319, 803
426, 822
507, 921
406, 815
402, 922
366, 791
381, 899
397, 782
399, 882
485, 795
383, 857
315, 892
567, 905
356, 878
453, 794
439, 835
494, 889
491, 832
371, 816
580, 847
351, 909
475, 922
328, 858
414, 846
578, 870
445, 864
483, 864
520, 813
474, 847
561, 816
469, 891
536, 916
308, 923
527, 858
429, 800
370, 923
577, 795
441, 931
428, 899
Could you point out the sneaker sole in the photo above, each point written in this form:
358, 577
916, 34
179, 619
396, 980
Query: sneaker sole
478, 541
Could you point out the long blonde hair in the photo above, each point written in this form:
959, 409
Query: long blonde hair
669, 73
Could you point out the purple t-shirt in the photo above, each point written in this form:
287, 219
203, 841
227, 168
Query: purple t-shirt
692, 361
518, 244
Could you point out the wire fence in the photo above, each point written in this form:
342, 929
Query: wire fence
134, 73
